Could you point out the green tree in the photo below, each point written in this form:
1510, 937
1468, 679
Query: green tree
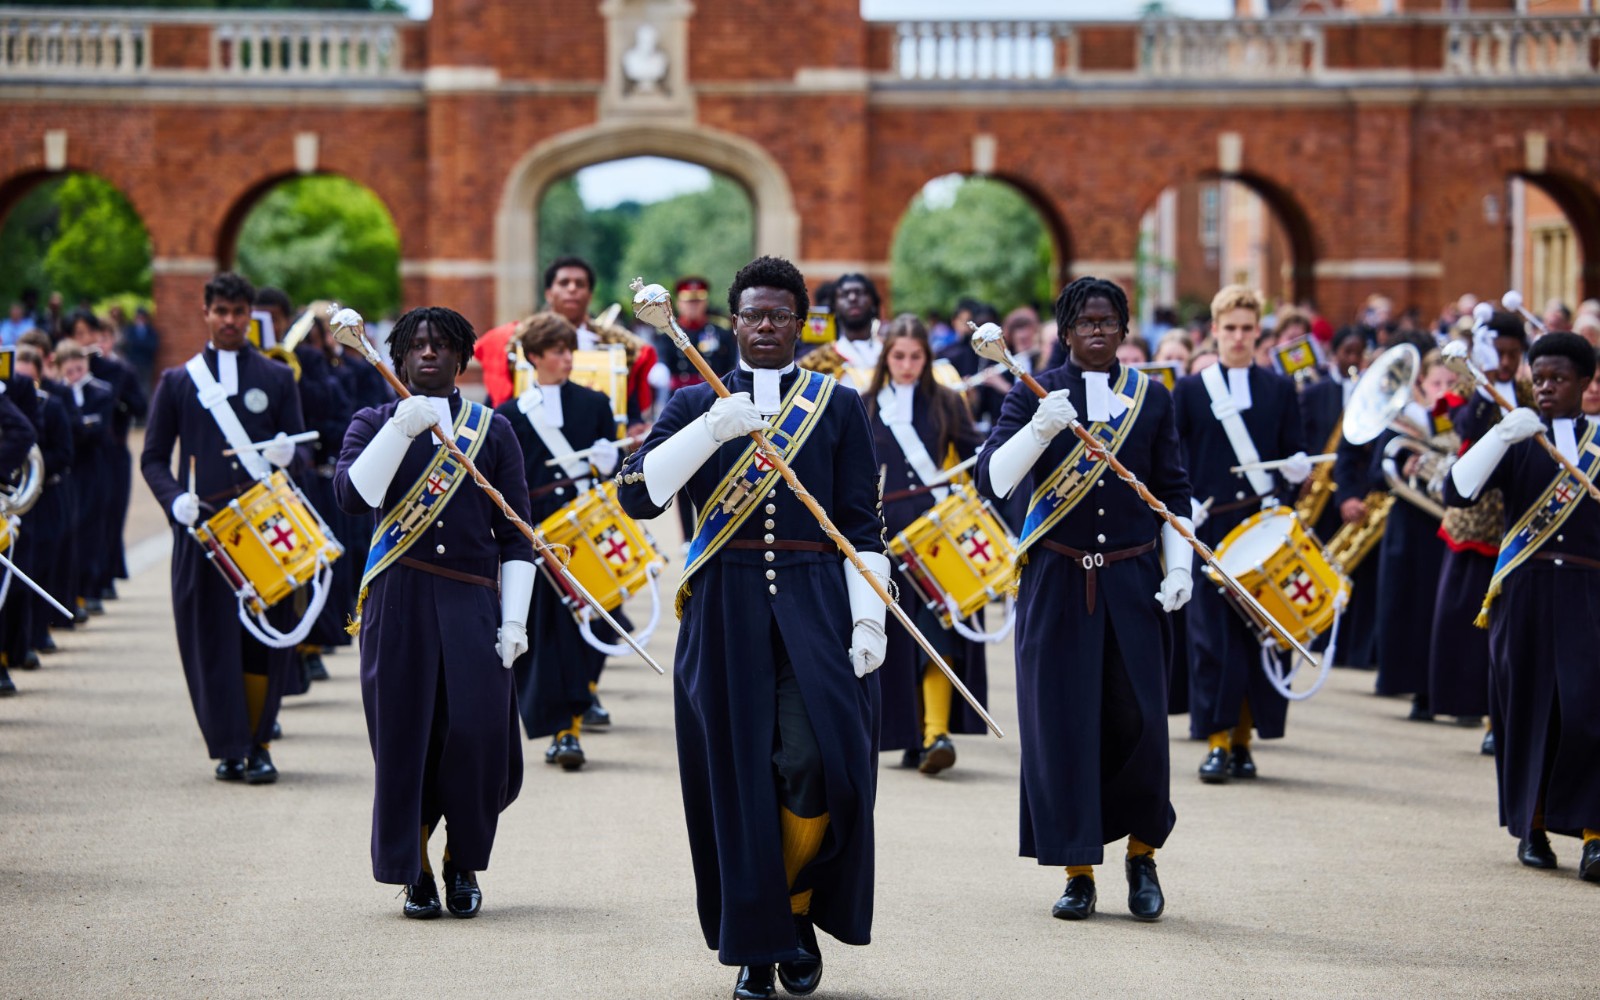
971, 237
100, 247
710, 233
567, 228
29, 228
324, 237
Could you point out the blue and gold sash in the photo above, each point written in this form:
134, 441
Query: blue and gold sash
1543, 519
1063, 489
753, 474
425, 500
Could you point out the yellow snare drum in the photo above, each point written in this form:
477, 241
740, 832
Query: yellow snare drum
8, 534
268, 543
959, 553
605, 369
610, 554
1280, 562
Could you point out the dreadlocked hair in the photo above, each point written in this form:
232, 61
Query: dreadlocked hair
447, 323
770, 272
1076, 296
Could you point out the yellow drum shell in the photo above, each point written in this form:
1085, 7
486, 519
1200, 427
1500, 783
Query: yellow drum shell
609, 553
958, 548
1281, 563
7, 534
268, 542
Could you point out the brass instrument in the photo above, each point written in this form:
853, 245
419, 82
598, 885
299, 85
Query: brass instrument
1424, 487
1319, 487
1356, 539
18, 498
827, 360
1383, 391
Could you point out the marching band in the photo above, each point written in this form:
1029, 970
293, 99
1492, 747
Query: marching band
1147, 540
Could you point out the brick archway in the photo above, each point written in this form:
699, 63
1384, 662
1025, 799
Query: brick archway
1581, 205
517, 279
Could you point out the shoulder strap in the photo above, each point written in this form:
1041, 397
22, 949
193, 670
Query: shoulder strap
215, 399
531, 403
1244, 449
910, 442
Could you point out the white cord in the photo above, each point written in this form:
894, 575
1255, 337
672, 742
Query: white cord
973, 635
586, 616
264, 631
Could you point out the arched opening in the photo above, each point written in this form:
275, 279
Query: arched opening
518, 248
1555, 241
647, 216
1212, 231
984, 238
70, 241
320, 236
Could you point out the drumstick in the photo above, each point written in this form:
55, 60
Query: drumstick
952, 472
259, 445
989, 343
191, 480
652, 304
586, 452
1278, 463
350, 330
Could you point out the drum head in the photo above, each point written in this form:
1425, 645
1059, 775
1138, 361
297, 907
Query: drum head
1256, 544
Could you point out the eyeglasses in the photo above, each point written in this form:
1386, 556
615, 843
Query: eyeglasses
781, 318
1085, 327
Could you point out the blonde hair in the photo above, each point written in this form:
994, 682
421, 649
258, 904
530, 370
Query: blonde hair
1233, 297
70, 350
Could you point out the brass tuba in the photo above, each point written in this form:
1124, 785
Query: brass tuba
18, 498
1382, 392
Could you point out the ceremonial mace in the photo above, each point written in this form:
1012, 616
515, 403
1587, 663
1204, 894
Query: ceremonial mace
349, 329
652, 305
988, 342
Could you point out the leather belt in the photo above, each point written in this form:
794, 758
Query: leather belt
1230, 507
914, 491
223, 496
549, 488
1563, 557
760, 546
1092, 562
448, 574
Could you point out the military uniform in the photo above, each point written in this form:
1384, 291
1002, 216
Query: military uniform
129, 404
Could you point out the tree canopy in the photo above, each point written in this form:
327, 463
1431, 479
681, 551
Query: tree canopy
76, 235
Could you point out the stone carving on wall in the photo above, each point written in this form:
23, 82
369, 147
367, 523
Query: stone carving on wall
647, 51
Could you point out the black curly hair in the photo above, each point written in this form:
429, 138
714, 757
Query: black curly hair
229, 287
1565, 345
1075, 296
1505, 324
447, 323
770, 272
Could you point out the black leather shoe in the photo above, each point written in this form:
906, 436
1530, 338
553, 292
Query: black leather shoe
596, 714
1241, 764
315, 669
48, 645
80, 616
568, 753
108, 592
754, 983
1214, 769
461, 893
940, 754
7, 686
1420, 712
30, 660
94, 606
259, 769
1589, 867
277, 730
1077, 901
1487, 748
551, 751
422, 898
1534, 850
802, 976
230, 769
911, 758
1145, 900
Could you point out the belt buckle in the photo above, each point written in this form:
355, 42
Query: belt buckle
1092, 561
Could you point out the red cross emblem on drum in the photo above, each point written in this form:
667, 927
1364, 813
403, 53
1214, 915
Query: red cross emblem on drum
1302, 590
975, 545
614, 547
279, 534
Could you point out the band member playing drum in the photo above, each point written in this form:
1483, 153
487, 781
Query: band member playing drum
1092, 629
918, 428
235, 681
1231, 414
555, 679
776, 704
436, 643
1541, 606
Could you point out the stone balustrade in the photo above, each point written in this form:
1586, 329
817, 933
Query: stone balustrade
978, 50
1513, 47
80, 42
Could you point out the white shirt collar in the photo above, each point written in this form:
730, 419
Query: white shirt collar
228, 370
587, 338
768, 393
1239, 386
905, 400
441, 406
551, 397
1103, 403
860, 353
1566, 440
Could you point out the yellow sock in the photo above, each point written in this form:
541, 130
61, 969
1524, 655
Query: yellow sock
937, 692
255, 698
1073, 871
1222, 740
427, 866
575, 730
1138, 848
802, 839
1589, 835
1241, 732
594, 686
800, 902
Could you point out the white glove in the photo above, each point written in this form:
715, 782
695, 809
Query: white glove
1176, 588
414, 415
1296, 468
186, 509
516, 597
1197, 512
1518, 425
1053, 416
734, 416
510, 641
603, 456
868, 640
1178, 585
279, 451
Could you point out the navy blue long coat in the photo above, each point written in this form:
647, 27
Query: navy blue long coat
1356, 475
426, 637
212, 644
725, 696
1544, 701
21, 426
50, 522
900, 677
129, 404
553, 676
1225, 656
95, 447
1092, 686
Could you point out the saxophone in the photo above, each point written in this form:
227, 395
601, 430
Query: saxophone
1319, 488
1354, 541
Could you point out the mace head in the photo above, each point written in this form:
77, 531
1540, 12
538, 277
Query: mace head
652, 304
989, 343
1512, 300
349, 329
1482, 313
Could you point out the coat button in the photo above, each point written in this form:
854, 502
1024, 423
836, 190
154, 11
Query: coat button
1239, 495
772, 508
772, 574
772, 588
1561, 538
769, 555
1101, 483
441, 523
767, 538
1100, 538
1558, 562
771, 493
233, 465
439, 549
1101, 512
770, 524
560, 490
